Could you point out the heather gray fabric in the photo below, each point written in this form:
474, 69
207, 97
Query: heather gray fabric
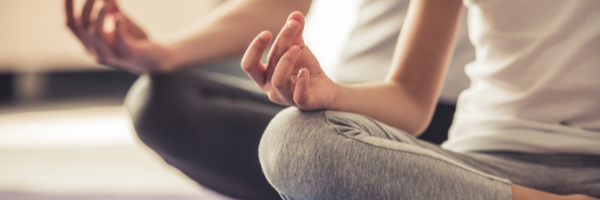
208, 123
336, 155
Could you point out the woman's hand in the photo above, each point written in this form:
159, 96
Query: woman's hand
125, 47
292, 74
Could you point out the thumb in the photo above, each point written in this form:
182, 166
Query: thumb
121, 33
302, 96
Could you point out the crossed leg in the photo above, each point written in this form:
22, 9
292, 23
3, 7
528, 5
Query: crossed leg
337, 155
208, 125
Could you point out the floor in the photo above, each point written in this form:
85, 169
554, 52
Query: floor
77, 143
84, 153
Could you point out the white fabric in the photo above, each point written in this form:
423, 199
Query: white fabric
535, 85
368, 54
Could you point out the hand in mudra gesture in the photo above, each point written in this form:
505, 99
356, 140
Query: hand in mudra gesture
292, 75
125, 47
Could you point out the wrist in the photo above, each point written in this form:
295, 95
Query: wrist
169, 61
339, 100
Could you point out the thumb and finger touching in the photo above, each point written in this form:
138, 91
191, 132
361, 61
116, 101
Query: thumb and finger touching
132, 28
112, 38
288, 54
99, 38
75, 25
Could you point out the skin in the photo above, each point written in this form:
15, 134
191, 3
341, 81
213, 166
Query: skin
292, 75
406, 100
223, 33
409, 93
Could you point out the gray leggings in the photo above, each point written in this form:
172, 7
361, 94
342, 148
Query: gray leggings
336, 155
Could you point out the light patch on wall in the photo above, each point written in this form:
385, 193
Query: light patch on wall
328, 27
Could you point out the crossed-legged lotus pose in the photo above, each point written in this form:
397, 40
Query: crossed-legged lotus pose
208, 122
358, 141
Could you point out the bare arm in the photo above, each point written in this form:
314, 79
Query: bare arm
408, 97
406, 100
227, 30
223, 33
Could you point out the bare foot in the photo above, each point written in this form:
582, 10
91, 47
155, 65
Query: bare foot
524, 193
579, 197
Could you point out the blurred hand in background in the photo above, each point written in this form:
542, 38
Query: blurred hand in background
114, 39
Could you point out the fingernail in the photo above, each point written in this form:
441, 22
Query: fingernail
302, 72
293, 24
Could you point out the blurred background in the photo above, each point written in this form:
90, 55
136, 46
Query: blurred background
63, 131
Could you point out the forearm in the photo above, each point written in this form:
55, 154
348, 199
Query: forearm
385, 102
408, 97
227, 31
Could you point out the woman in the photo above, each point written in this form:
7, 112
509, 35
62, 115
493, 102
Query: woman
526, 129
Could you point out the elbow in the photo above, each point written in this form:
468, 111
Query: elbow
416, 109
421, 120
420, 128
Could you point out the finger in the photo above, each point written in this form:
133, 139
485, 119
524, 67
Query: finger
251, 62
70, 14
302, 97
100, 42
86, 39
99, 25
86, 13
281, 80
282, 44
111, 6
122, 48
72, 23
298, 39
101, 49
276, 98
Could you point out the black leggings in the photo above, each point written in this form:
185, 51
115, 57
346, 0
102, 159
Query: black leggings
208, 125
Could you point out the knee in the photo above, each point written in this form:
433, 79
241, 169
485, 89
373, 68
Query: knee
294, 149
289, 134
152, 103
312, 155
151, 92
137, 96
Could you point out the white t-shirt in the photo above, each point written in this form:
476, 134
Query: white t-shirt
368, 54
535, 84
